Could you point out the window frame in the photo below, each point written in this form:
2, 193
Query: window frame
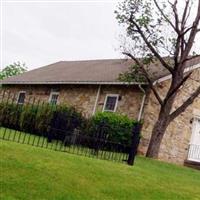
116, 103
50, 96
21, 92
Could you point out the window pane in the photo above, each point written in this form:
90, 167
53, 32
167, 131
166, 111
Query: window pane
54, 98
21, 98
110, 103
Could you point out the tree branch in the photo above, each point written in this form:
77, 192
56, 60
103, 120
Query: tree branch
156, 54
191, 58
163, 14
178, 86
184, 17
174, 8
183, 107
192, 35
146, 76
185, 31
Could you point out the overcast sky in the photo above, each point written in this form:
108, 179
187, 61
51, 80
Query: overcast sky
43, 33
40, 33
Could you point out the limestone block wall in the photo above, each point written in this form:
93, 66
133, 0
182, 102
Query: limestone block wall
130, 99
83, 97
174, 147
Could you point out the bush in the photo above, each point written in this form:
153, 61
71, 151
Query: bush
59, 121
111, 126
63, 122
36, 119
10, 115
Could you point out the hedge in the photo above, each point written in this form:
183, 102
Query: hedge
112, 126
36, 119
55, 122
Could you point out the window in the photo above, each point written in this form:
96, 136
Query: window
21, 97
110, 103
53, 99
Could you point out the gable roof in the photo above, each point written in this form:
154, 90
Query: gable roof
86, 72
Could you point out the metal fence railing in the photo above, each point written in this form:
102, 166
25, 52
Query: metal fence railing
74, 143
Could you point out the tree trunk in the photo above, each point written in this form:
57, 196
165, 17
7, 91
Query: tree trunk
163, 121
156, 137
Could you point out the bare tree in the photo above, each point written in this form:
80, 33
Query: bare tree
155, 30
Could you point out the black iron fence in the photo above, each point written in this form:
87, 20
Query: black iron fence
66, 131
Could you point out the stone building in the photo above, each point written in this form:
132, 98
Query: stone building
93, 86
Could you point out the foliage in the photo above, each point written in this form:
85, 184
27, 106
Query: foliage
133, 75
112, 126
58, 121
10, 115
142, 13
12, 70
37, 119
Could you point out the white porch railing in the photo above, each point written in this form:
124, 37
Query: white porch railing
194, 152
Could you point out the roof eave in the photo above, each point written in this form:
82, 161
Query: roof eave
71, 82
167, 77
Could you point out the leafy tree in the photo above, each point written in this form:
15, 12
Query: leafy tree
155, 29
12, 70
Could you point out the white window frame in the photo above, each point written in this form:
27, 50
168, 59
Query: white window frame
116, 104
51, 94
20, 92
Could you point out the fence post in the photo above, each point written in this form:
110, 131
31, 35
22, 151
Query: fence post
135, 139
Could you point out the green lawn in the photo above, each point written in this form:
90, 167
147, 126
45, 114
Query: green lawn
29, 172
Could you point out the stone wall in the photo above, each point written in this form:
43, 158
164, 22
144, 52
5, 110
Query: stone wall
83, 97
174, 147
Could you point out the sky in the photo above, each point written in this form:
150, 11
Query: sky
41, 32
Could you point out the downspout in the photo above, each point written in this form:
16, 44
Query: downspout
96, 101
142, 104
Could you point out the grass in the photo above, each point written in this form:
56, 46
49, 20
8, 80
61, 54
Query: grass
29, 172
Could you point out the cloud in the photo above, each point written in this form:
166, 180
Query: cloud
41, 33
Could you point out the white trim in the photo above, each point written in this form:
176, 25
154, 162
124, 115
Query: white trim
193, 141
111, 95
20, 92
142, 103
193, 67
51, 94
70, 82
193, 129
96, 101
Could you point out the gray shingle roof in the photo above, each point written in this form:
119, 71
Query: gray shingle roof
84, 72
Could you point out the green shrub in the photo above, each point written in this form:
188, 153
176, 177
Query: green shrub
10, 115
27, 118
37, 119
43, 118
57, 121
111, 126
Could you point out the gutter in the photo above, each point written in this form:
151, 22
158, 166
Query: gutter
167, 77
96, 101
142, 104
70, 82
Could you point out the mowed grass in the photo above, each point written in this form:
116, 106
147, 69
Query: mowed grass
29, 172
